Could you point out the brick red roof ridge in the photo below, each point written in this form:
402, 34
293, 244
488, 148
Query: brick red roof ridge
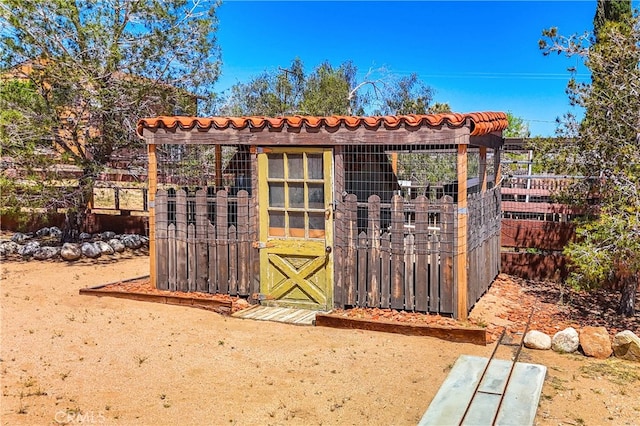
482, 123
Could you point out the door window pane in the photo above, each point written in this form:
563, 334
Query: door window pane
276, 166
276, 194
296, 224
314, 164
276, 224
296, 195
296, 170
316, 196
316, 225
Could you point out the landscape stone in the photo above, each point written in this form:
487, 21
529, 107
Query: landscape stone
90, 250
44, 253
132, 241
55, 232
537, 340
20, 238
84, 237
29, 249
626, 345
108, 235
105, 248
8, 247
70, 251
117, 245
43, 232
565, 341
595, 342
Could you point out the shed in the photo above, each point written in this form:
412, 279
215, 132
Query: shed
398, 212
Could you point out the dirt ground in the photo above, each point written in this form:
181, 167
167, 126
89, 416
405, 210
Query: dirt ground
71, 359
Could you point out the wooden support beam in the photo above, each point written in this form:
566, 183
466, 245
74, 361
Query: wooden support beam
483, 169
153, 185
461, 231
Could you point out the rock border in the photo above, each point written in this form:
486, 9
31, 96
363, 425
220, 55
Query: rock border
46, 244
592, 341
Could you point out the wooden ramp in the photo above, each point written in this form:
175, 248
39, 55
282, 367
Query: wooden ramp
286, 315
486, 391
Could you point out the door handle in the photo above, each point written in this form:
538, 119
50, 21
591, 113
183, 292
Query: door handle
327, 214
328, 249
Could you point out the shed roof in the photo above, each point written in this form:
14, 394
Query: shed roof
481, 123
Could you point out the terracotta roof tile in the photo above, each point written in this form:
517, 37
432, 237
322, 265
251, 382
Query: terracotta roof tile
482, 123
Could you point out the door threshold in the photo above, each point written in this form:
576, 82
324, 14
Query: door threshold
278, 314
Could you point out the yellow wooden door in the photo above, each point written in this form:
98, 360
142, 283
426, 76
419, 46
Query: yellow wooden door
296, 227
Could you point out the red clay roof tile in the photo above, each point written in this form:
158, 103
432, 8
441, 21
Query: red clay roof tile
482, 123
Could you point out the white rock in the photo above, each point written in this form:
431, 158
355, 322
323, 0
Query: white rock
70, 251
105, 248
90, 250
44, 253
537, 340
117, 245
566, 341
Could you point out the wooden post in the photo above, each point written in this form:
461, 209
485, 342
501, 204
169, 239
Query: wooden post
218, 167
394, 163
461, 231
483, 169
153, 186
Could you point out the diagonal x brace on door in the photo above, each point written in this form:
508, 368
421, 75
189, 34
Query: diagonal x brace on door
299, 278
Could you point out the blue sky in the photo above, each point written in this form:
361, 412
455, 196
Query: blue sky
477, 56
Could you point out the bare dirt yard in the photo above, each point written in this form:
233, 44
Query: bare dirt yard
71, 359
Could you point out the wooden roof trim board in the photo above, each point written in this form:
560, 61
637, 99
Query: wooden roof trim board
480, 123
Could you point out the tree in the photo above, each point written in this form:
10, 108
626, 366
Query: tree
610, 11
604, 146
518, 128
76, 76
328, 90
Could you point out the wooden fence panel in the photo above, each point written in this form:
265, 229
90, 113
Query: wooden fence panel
374, 250
362, 269
162, 246
191, 257
171, 240
435, 266
408, 272
181, 240
385, 270
233, 261
397, 252
244, 244
202, 252
447, 282
222, 240
422, 254
350, 265
213, 252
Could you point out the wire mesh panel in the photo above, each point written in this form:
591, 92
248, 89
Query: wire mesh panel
204, 219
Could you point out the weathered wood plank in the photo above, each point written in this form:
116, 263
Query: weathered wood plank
462, 335
213, 259
172, 260
162, 247
233, 261
181, 241
362, 269
374, 251
352, 241
201, 242
339, 256
222, 229
191, 257
409, 248
244, 244
397, 252
447, 282
385, 270
422, 256
435, 266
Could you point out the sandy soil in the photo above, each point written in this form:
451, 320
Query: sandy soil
71, 359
